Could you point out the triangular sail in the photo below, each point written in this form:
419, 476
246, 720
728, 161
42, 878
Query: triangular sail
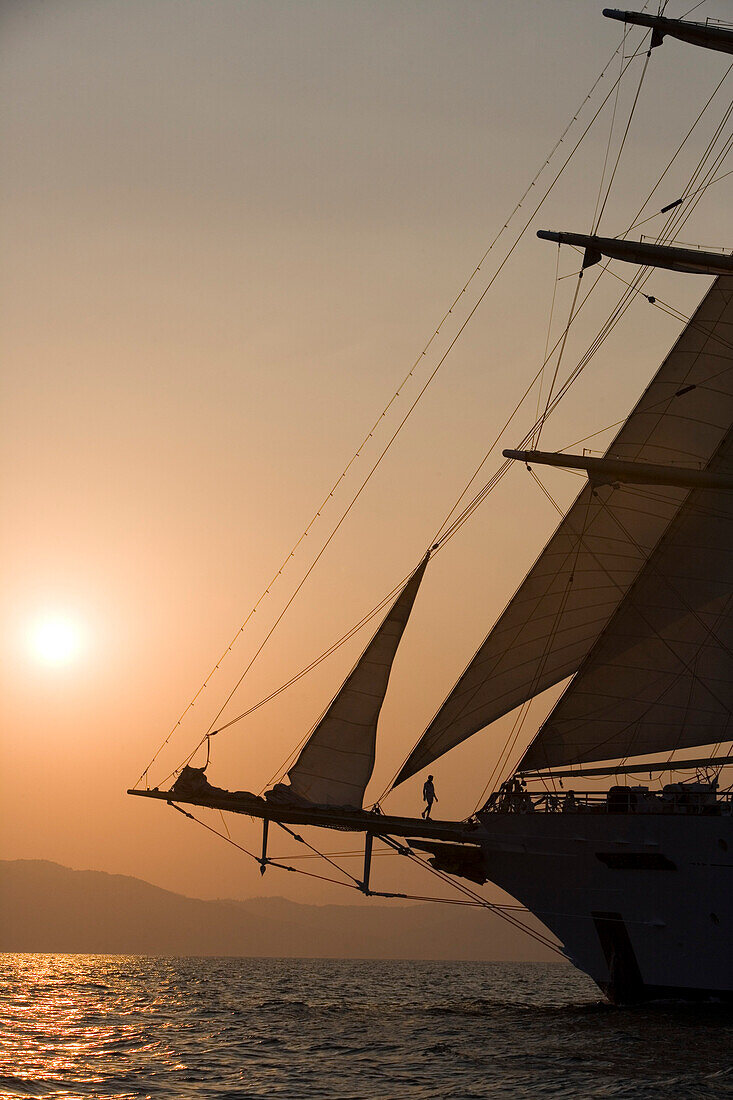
604, 542
660, 677
337, 761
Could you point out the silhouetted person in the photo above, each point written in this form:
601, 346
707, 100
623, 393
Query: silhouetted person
428, 793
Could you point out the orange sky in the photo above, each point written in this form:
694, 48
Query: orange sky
228, 230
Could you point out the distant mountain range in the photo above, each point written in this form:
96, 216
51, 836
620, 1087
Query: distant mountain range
45, 907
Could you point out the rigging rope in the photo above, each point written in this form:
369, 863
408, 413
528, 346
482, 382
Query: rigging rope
566, 331
506, 913
644, 273
304, 671
623, 142
548, 336
610, 323
632, 286
270, 863
315, 852
709, 630
144, 774
474, 896
608, 148
509, 747
483, 493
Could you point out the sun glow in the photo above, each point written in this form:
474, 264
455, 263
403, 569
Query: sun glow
55, 640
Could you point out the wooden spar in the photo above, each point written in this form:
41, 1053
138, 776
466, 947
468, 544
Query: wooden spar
368, 841
357, 821
636, 252
264, 860
638, 473
707, 35
628, 769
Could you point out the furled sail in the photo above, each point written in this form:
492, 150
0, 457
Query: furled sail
660, 677
336, 763
601, 547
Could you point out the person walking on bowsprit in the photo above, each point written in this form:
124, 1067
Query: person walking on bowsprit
428, 793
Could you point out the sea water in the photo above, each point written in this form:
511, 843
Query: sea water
124, 1026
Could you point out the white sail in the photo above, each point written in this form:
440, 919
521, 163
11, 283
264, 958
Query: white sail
660, 677
337, 761
601, 547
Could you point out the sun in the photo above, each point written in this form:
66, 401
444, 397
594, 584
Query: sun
55, 640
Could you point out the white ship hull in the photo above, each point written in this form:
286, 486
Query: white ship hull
643, 903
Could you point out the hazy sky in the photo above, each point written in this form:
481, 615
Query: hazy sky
228, 230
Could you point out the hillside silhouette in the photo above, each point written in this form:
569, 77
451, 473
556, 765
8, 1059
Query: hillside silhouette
49, 908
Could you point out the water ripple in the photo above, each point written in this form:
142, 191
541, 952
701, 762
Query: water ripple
123, 1027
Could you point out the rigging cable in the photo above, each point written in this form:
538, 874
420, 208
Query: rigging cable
312, 665
144, 774
375, 610
518, 238
682, 143
566, 331
645, 273
494, 480
564, 388
708, 630
620, 309
508, 463
504, 912
314, 851
606, 267
608, 148
509, 747
270, 863
474, 896
548, 337
623, 141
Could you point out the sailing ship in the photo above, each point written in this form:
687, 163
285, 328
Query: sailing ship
630, 601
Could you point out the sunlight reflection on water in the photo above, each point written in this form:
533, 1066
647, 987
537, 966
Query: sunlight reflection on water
80, 1026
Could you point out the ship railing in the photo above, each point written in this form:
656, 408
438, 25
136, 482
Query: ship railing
692, 799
